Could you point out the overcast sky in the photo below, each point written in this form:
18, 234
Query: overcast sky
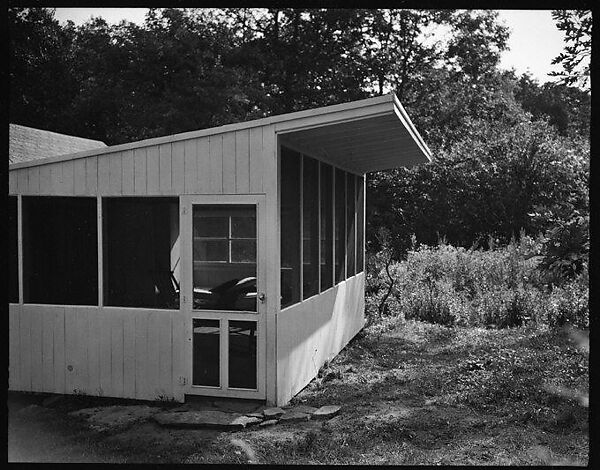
534, 39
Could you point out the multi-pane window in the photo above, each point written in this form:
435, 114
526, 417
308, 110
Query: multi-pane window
224, 235
321, 224
224, 257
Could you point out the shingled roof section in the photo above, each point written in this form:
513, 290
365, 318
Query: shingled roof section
27, 143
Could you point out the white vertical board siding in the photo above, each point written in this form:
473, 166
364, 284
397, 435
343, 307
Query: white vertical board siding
242, 161
12, 182
215, 164
78, 177
22, 181
152, 170
178, 167
14, 353
127, 182
68, 177
91, 175
227, 163
164, 168
190, 166
139, 171
203, 165
229, 174
34, 180
93, 351
257, 158
76, 348
58, 348
55, 178
35, 334
316, 330
104, 174
116, 353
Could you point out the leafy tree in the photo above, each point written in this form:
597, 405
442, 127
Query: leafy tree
566, 108
575, 60
486, 184
41, 86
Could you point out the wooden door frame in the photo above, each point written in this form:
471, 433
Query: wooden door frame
188, 314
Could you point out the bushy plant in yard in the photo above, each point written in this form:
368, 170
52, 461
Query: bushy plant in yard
499, 287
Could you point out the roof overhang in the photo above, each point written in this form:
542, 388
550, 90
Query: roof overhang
362, 136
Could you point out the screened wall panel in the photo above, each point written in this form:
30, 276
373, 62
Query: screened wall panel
340, 225
140, 237
242, 354
290, 227
326, 202
360, 222
350, 225
13, 254
60, 250
310, 227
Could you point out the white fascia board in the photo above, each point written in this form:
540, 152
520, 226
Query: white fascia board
410, 128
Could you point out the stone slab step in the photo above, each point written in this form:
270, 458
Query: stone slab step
326, 412
205, 419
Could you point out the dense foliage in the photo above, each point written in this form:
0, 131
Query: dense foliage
500, 287
509, 154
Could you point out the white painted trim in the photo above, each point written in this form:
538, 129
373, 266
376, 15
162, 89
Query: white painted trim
187, 203
20, 246
319, 227
364, 222
344, 236
410, 127
100, 263
301, 228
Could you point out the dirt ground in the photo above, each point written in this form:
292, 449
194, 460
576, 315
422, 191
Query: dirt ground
411, 394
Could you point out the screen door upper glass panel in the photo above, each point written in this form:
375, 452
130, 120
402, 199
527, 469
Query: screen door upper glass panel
224, 257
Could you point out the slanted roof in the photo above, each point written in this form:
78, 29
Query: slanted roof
362, 136
27, 143
367, 135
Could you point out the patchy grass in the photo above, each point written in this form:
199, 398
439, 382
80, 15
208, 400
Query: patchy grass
411, 393
417, 393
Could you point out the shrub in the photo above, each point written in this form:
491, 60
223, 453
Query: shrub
500, 287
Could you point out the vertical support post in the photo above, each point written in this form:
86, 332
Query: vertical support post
364, 220
186, 287
333, 222
345, 234
354, 180
319, 226
224, 353
20, 245
100, 251
301, 176
271, 236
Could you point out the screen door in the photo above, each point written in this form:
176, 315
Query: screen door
225, 304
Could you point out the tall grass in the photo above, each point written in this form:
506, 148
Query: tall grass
500, 287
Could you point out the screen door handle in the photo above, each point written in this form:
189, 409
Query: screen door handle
262, 297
